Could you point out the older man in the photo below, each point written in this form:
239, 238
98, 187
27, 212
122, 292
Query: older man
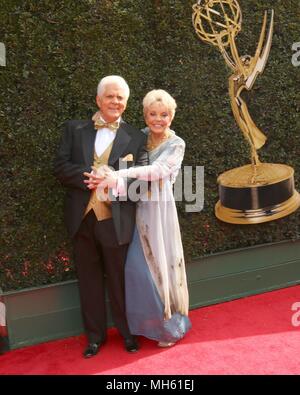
100, 230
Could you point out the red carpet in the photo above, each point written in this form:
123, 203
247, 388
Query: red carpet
254, 335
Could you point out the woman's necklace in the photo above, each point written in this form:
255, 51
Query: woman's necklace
152, 144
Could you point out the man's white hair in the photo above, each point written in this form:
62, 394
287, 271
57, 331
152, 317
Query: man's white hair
113, 79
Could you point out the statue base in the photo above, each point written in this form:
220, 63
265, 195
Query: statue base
251, 195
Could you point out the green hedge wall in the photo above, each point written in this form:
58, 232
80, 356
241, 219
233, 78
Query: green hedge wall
56, 54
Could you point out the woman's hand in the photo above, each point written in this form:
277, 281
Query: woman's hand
97, 176
109, 181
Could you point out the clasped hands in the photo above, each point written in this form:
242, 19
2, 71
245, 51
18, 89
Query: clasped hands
101, 177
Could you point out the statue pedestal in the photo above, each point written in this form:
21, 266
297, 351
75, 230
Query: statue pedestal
246, 198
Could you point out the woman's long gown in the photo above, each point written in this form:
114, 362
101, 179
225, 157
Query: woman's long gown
155, 279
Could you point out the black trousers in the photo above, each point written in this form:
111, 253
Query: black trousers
99, 259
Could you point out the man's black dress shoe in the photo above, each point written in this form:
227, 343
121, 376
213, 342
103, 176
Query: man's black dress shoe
91, 350
131, 345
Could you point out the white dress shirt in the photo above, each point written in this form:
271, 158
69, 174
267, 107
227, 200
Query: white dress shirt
104, 138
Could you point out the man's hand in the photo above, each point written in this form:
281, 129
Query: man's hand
96, 176
102, 177
93, 180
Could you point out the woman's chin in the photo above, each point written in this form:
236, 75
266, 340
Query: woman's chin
157, 130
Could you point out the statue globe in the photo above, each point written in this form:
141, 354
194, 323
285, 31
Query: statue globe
215, 20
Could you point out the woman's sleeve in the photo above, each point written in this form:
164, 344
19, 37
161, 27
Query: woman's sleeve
167, 164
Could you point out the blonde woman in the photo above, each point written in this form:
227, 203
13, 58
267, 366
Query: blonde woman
155, 279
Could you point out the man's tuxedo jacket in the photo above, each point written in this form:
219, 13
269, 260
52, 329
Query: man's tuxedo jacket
76, 156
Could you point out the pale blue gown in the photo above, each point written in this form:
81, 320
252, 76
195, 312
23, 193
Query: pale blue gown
155, 279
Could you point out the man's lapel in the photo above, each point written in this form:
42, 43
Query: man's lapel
88, 136
121, 141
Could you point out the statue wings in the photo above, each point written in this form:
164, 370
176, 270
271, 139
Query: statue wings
262, 53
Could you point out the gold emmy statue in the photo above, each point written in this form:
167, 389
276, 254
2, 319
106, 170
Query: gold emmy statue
257, 192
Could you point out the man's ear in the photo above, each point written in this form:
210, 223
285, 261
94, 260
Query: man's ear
98, 101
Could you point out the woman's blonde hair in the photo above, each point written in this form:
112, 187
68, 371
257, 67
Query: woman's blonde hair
160, 96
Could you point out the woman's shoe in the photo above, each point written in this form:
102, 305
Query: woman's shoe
165, 344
